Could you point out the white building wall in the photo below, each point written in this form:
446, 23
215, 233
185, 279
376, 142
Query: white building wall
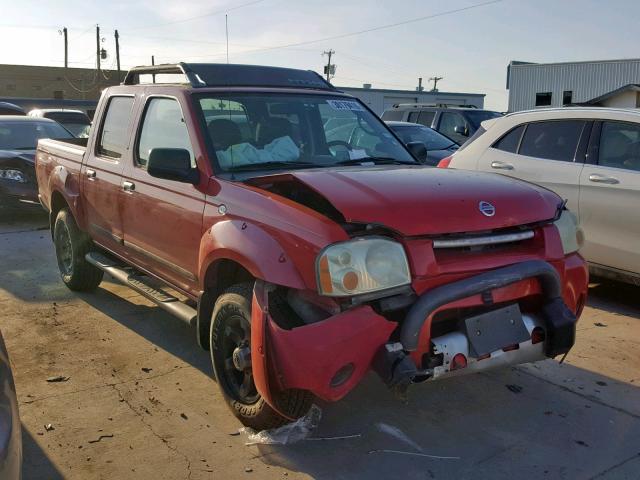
587, 80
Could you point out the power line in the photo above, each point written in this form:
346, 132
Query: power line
218, 12
382, 27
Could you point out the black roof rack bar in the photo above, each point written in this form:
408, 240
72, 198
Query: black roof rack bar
133, 75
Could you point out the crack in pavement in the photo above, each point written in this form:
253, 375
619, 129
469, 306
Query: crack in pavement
143, 420
614, 467
97, 387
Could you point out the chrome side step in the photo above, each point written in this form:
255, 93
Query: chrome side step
136, 281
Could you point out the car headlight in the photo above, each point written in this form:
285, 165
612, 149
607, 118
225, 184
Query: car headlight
361, 266
570, 232
15, 175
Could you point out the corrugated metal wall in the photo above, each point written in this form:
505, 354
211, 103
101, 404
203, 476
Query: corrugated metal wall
586, 80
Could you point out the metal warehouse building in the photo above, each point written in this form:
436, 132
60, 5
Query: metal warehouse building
380, 100
608, 83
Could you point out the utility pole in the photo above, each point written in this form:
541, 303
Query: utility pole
435, 81
420, 88
66, 47
98, 47
153, 62
118, 53
329, 69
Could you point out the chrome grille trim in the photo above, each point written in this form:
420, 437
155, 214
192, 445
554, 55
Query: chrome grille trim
484, 240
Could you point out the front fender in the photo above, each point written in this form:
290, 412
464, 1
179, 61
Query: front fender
253, 248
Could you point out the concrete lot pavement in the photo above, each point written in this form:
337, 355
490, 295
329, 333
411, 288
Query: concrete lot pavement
140, 401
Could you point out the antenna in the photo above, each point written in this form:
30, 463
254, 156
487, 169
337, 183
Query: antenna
226, 28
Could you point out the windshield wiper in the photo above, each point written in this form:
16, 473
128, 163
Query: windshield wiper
375, 160
276, 164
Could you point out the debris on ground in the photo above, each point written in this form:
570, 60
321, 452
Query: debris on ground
514, 388
416, 454
48, 427
108, 435
398, 434
598, 324
234, 434
601, 383
286, 434
248, 469
146, 369
581, 442
57, 378
184, 416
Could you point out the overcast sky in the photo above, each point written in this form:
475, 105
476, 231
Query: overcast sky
469, 48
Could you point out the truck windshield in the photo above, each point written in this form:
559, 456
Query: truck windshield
24, 135
269, 131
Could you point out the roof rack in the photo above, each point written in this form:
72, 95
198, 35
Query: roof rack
433, 105
200, 75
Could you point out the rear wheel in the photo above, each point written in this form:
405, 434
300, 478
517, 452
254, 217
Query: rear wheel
71, 246
230, 342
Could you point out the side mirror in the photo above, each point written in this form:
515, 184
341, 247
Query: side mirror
418, 150
172, 164
461, 130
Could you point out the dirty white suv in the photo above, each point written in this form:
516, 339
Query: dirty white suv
590, 157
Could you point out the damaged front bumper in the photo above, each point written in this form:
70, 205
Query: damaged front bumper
330, 357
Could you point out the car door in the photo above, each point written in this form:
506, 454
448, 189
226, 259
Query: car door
609, 197
102, 172
162, 219
548, 153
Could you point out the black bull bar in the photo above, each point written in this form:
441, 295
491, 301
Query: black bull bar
394, 366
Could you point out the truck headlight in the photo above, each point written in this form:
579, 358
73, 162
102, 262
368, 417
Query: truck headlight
570, 232
15, 175
361, 266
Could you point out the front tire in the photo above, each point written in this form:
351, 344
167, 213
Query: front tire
71, 246
230, 342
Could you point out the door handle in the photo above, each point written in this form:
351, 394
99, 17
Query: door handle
501, 166
91, 174
128, 186
597, 178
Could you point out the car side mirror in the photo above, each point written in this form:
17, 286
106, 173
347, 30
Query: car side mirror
418, 150
461, 130
172, 164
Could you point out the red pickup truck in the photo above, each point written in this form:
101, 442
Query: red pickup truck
293, 229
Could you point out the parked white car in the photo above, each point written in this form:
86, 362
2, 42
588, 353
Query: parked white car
590, 157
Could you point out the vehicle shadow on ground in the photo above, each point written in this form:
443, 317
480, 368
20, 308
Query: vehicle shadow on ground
479, 420
154, 324
36, 463
615, 297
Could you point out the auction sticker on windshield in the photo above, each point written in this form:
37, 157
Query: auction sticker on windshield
345, 105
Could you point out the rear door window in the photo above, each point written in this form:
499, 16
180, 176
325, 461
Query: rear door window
448, 123
114, 136
510, 141
553, 140
620, 146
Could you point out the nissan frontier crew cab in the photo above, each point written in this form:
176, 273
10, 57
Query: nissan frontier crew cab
301, 238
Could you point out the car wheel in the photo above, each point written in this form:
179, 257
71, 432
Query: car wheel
71, 246
230, 348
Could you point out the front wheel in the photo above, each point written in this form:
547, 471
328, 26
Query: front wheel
230, 342
71, 246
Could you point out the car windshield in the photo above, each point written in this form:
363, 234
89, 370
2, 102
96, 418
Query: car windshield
417, 133
479, 116
265, 131
80, 130
24, 135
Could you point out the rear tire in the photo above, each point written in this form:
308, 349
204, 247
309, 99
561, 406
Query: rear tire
71, 247
231, 331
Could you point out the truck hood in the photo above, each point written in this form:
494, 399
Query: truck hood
425, 201
27, 156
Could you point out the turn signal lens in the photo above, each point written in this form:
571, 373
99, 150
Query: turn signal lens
537, 335
458, 361
444, 163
